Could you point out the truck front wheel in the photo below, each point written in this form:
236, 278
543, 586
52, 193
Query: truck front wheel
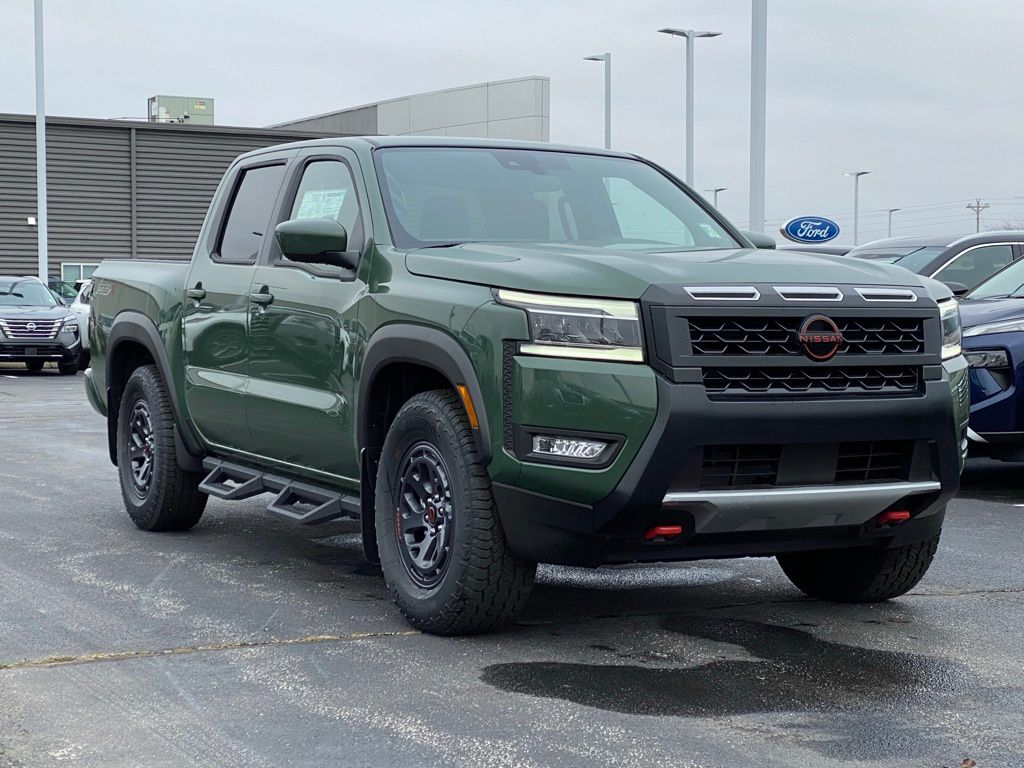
158, 494
860, 575
442, 548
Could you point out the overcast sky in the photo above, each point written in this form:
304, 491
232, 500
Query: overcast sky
926, 94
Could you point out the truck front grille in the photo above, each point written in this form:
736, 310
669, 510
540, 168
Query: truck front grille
728, 467
778, 336
876, 461
772, 381
739, 466
30, 329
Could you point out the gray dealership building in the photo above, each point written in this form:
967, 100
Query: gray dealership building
136, 189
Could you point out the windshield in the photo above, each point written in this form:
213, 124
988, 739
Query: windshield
25, 293
447, 195
1003, 285
912, 257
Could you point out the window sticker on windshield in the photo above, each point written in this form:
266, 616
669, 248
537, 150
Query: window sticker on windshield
710, 231
321, 204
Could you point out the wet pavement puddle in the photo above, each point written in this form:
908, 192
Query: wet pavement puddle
848, 693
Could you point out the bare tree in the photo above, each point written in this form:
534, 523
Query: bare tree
1008, 224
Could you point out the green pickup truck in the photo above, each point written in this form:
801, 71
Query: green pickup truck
496, 354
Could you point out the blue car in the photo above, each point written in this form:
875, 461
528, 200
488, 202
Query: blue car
992, 317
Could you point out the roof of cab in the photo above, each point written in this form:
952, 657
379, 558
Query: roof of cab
439, 141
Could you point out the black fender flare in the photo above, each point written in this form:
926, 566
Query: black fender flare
134, 326
431, 348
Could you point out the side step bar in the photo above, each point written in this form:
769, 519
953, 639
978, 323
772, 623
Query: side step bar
296, 501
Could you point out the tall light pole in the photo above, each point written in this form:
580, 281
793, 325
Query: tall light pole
607, 59
44, 267
856, 199
691, 35
891, 212
715, 192
758, 99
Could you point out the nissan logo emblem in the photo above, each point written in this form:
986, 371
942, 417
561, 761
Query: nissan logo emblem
30, 327
819, 337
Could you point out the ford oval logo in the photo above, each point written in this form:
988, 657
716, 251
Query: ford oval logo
810, 229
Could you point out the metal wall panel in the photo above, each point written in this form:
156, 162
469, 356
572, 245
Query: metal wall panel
116, 189
176, 178
17, 199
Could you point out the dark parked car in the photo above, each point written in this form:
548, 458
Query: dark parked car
993, 321
35, 328
960, 261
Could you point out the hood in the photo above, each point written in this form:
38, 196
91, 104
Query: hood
985, 311
37, 313
587, 271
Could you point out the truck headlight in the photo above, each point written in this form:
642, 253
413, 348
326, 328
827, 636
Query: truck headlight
572, 326
949, 317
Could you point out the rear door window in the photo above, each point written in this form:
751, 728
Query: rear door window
974, 265
249, 216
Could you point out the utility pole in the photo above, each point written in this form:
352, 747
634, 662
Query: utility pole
977, 206
44, 266
891, 212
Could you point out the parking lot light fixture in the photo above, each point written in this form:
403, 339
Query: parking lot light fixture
715, 192
891, 212
607, 59
690, 35
856, 199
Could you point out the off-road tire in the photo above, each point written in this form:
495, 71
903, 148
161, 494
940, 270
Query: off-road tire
34, 366
68, 369
172, 500
859, 575
484, 584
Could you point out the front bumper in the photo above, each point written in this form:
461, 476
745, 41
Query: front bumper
47, 350
997, 408
661, 484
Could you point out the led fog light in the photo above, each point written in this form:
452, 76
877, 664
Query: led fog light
568, 447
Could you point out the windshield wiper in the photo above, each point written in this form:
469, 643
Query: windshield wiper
442, 245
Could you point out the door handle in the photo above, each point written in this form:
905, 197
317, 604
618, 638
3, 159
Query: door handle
196, 294
262, 298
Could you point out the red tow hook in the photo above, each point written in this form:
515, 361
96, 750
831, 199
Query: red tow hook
663, 532
892, 517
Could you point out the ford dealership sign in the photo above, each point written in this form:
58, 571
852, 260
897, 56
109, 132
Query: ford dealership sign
810, 229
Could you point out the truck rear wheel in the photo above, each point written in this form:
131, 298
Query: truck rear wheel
158, 494
442, 547
859, 575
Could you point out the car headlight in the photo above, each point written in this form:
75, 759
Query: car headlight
949, 317
70, 325
987, 358
1005, 326
572, 326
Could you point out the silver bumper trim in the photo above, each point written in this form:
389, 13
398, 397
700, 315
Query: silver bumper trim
766, 509
828, 491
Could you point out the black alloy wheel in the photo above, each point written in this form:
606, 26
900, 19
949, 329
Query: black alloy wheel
423, 518
141, 443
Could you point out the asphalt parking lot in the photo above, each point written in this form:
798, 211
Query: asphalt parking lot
252, 642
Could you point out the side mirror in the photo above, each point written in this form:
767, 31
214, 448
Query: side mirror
758, 239
315, 241
958, 289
